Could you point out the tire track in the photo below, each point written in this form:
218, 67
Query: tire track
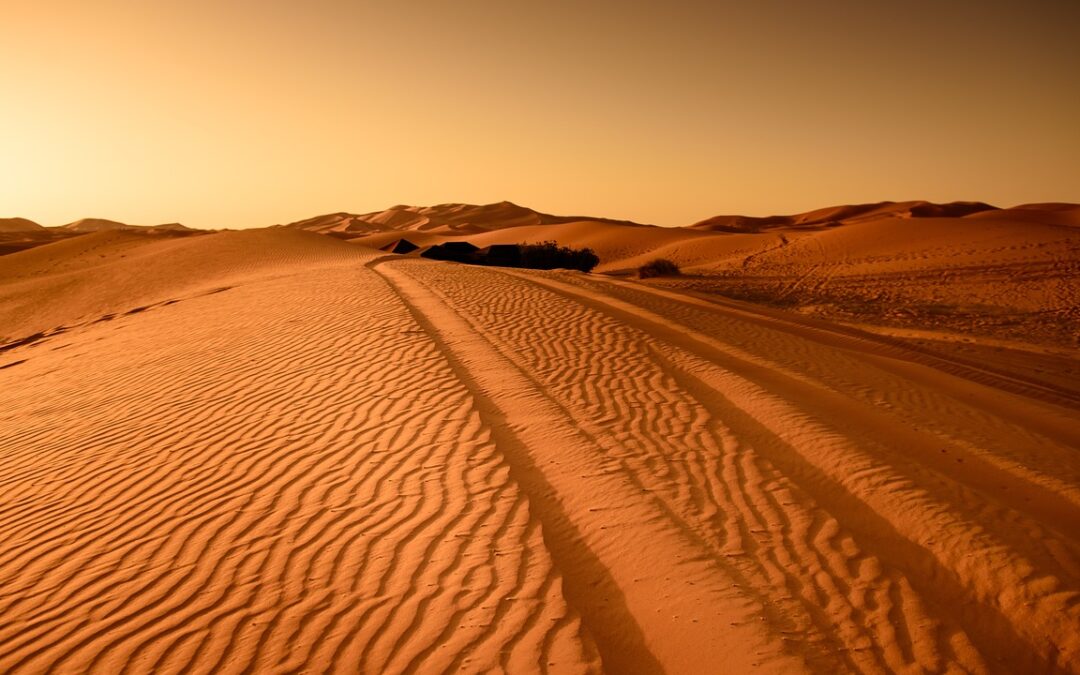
897, 592
1045, 542
425, 467
657, 463
673, 596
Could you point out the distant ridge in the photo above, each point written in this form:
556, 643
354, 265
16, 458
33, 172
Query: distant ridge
101, 224
836, 215
20, 234
445, 219
19, 225
429, 225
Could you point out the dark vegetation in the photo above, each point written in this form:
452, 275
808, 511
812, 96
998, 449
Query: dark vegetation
661, 267
546, 255
549, 255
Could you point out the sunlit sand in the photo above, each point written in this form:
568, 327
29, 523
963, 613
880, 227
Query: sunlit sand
846, 443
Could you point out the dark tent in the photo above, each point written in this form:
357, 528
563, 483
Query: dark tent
503, 255
457, 251
401, 246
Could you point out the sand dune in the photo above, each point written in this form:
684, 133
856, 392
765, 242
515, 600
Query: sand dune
20, 234
109, 273
961, 268
837, 215
964, 267
95, 225
103, 225
19, 225
443, 219
277, 451
1010, 273
284, 475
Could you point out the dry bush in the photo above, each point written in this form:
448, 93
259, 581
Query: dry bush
661, 267
548, 255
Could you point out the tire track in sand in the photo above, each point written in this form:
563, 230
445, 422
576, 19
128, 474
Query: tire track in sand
977, 560
645, 585
904, 562
639, 420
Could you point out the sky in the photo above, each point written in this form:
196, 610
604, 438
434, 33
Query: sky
247, 113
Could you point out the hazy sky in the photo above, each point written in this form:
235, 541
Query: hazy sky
239, 113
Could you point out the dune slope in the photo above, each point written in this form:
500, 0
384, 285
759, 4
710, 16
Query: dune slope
1007, 273
962, 268
100, 275
348, 461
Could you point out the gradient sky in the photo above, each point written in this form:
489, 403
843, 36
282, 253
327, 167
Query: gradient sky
242, 113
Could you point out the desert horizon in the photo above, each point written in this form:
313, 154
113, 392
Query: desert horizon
700, 337
958, 207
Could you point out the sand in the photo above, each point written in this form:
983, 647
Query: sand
278, 451
962, 267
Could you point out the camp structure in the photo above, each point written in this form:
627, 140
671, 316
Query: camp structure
456, 251
400, 246
501, 255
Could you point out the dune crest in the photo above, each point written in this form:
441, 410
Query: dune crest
838, 215
443, 219
103, 225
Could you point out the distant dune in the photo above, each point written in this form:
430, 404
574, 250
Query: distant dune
838, 215
94, 225
103, 273
20, 234
100, 224
444, 219
276, 451
960, 267
19, 225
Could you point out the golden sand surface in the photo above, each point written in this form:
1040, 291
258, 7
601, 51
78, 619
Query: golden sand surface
279, 451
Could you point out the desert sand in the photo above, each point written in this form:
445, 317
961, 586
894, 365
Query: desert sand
842, 442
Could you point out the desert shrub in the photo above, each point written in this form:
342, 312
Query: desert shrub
548, 255
661, 267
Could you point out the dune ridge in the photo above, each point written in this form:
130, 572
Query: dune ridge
104, 225
105, 274
442, 219
839, 215
20, 234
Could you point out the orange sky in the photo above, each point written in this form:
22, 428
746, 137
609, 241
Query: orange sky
241, 113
